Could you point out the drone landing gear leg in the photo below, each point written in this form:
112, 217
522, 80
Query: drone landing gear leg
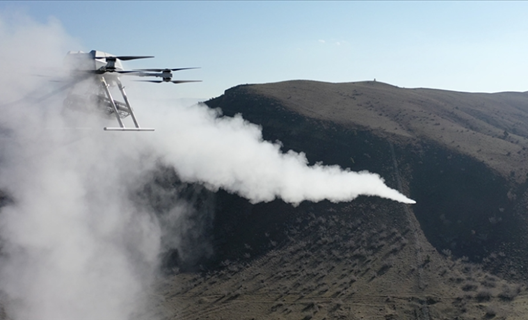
121, 125
109, 96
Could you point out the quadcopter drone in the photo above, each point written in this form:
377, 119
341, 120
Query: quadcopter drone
102, 71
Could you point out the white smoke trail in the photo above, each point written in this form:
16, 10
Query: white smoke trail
230, 153
74, 244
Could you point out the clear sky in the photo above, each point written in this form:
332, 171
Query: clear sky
463, 46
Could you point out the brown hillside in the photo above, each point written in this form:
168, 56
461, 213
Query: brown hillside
459, 253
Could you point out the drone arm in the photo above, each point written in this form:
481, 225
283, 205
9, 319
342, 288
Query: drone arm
135, 73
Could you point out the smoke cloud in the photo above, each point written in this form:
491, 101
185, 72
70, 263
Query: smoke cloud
229, 153
73, 243
76, 243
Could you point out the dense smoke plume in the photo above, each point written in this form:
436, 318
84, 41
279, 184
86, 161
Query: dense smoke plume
73, 243
229, 153
76, 243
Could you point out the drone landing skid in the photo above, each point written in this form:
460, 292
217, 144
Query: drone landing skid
127, 129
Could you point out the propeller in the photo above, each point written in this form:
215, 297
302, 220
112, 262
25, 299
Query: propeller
173, 81
127, 71
140, 71
124, 58
166, 69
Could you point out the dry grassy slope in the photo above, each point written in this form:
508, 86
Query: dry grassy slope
492, 128
344, 264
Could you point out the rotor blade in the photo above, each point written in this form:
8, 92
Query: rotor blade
184, 81
152, 70
161, 70
178, 69
173, 81
125, 58
52, 79
154, 81
54, 92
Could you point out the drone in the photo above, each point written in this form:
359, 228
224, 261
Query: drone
102, 71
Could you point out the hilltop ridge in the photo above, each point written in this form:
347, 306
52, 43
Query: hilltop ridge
491, 127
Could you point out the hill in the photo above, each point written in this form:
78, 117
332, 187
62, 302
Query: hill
457, 253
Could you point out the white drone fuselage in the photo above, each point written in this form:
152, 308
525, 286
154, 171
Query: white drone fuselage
93, 61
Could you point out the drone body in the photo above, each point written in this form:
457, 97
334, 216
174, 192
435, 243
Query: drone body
101, 71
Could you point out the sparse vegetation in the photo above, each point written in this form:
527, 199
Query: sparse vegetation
469, 286
483, 295
509, 292
491, 311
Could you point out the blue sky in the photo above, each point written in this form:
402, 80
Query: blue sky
463, 46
